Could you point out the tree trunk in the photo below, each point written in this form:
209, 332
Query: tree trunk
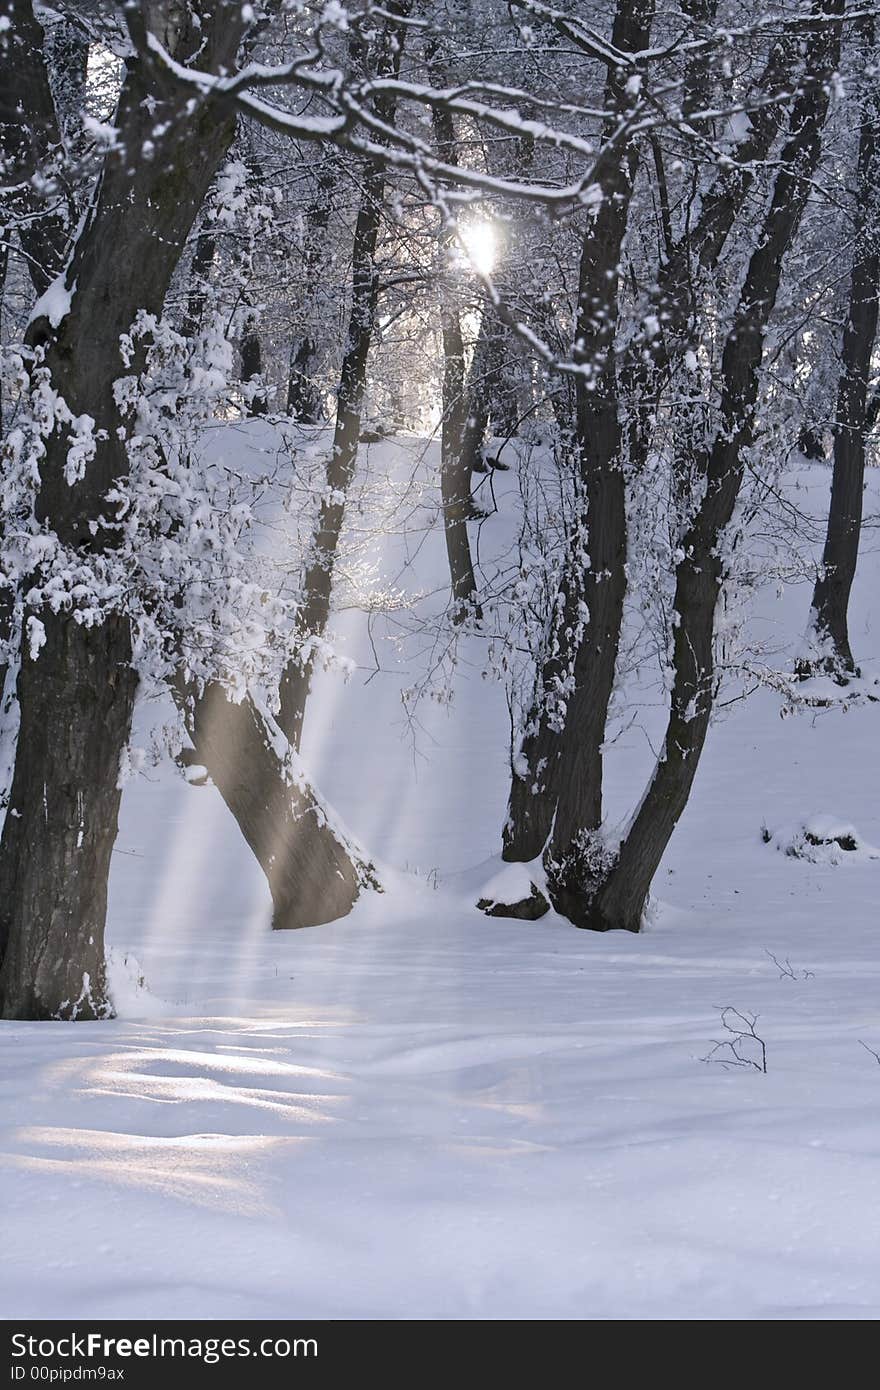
76, 700
582, 683
199, 283
30, 140
252, 368
830, 633
318, 577
68, 57
304, 397
618, 901
76, 697
455, 468
549, 788
315, 873
647, 367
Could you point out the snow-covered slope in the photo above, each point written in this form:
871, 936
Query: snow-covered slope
423, 1112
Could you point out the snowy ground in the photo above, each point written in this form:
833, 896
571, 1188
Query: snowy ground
421, 1112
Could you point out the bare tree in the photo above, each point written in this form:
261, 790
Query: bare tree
829, 635
620, 898
321, 560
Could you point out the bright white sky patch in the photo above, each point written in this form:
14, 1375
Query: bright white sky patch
480, 244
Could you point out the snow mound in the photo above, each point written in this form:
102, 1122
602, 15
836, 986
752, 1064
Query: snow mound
515, 890
821, 839
129, 991
826, 691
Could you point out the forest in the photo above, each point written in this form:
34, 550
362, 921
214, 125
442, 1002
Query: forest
438, 500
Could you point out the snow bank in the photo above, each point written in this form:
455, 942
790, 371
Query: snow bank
821, 839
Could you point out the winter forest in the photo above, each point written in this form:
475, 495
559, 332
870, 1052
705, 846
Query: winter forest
438, 510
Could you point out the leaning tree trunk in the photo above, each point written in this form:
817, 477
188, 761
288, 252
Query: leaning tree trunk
315, 873
618, 900
76, 694
557, 782
830, 629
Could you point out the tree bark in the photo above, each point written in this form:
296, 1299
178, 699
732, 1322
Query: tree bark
252, 367
303, 396
455, 469
321, 561
830, 629
619, 901
315, 874
578, 673
550, 791
76, 702
30, 139
303, 392
76, 698
199, 283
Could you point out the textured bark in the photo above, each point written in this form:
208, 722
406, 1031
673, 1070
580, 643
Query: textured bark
620, 900
200, 276
318, 577
76, 702
303, 395
830, 606
314, 874
304, 402
582, 660
646, 368
68, 59
565, 792
455, 470
4, 265
252, 367
455, 466
489, 402
30, 139
76, 698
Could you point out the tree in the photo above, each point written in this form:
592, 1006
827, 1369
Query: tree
76, 685
556, 793
659, 175
577, 669
318, 577
828, 638
618, 898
